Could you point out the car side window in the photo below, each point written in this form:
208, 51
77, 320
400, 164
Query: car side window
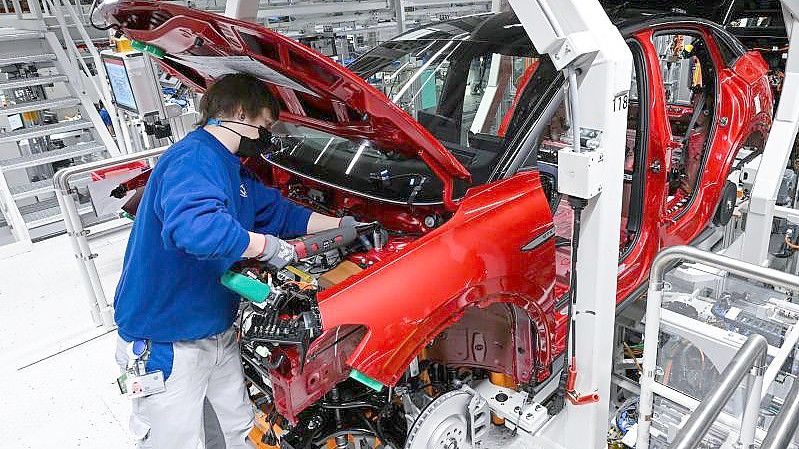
689, 79
491, 96
471, 96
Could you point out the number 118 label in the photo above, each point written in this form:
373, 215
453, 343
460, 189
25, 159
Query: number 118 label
621, 101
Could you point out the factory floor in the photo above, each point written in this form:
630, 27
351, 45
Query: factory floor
57, 370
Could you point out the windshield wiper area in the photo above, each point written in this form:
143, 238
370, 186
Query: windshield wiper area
415, 180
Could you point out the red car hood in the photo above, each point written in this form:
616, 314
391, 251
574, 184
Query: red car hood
314, 90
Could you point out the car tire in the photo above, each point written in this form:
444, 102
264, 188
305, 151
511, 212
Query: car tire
726, 205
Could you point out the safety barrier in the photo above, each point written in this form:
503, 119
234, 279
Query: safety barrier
80, 233
782, 429
752, 355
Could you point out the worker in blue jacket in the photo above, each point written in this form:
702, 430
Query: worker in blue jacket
200, 213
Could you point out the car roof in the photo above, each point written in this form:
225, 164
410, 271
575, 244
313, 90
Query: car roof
503, 28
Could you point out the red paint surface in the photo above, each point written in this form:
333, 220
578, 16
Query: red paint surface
735, 99
421, 283
360, 110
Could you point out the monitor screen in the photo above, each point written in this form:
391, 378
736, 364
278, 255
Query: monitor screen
120, 83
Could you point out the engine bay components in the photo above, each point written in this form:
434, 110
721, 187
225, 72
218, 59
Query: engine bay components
308, 392
284, 310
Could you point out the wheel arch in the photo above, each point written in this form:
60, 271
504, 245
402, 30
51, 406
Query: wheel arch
453, 335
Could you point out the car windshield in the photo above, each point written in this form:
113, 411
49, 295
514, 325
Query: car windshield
355, 165
464, 92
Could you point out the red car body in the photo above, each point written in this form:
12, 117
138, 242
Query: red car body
487, 277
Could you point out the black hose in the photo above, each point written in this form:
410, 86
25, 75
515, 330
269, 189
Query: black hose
378, 431
379, 428
577, 205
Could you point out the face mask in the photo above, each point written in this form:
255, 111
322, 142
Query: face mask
248, 147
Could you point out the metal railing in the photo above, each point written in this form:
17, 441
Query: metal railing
736, 372
98, 303
751, 356
784, 426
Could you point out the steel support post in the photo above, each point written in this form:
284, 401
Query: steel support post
754, 390
399, 15
777, 151
88, 286
242, 9
784, 426
570, 32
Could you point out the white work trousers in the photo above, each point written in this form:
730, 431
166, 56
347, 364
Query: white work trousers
206, 371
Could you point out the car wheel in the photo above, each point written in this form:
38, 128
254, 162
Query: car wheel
726, 204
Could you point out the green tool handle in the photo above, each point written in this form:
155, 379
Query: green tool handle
249, 288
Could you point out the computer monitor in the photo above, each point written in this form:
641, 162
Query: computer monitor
120, 83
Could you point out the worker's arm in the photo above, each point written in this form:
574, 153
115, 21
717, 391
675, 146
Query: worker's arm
255, 246
193, 208
319, 222
275, 215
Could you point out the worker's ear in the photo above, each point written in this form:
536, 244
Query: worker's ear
239, 114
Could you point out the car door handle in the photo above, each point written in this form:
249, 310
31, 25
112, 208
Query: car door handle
656, 167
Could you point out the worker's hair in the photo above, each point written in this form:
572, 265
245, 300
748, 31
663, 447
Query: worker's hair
237, 91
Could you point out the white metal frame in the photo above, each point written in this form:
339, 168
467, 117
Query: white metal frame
75, 82
489, 96
14, 219
777, 151
97, 87
242, 9
69, 63
571, 31
76, 89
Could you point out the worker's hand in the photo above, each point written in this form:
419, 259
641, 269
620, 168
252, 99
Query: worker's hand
277, 253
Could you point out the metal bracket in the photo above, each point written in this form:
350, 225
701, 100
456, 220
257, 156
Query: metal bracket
86, 258
479, 419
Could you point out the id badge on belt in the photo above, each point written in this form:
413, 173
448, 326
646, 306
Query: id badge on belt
135, 382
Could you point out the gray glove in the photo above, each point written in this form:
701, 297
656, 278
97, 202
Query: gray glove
277, 253
348, 221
